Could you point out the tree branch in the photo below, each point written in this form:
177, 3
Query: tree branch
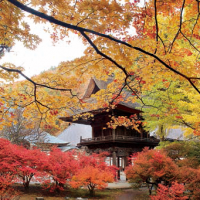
181, 18
197, 17
156, 20
102, 54
83, 30
189, 41
33, 82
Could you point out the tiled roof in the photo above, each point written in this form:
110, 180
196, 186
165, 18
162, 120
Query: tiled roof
45, 137
67, 148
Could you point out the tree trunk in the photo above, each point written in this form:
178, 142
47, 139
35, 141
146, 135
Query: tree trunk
150, 185
92, 192
26, 181
26, 185
57, 190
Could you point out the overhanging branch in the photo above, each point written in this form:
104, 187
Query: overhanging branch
33, 82
84, 30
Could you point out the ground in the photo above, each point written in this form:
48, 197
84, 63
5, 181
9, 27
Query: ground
109, 194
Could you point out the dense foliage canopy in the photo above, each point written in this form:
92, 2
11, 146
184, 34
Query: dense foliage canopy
150, 48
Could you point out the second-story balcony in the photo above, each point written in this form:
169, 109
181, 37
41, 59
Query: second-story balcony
118, 138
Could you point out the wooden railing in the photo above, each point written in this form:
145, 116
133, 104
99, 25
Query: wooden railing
118, 137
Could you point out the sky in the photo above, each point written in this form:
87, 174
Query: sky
46, 55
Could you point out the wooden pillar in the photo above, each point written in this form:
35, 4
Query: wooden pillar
80, 139
126, 163
122, 163
31, 146
118, 165
114, 158
118, 162
141, 132
113, 134
92, 132
102, 132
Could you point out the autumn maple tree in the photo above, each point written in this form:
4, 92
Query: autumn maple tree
20, 164
152, 167
29, 165
93, 172
60, 167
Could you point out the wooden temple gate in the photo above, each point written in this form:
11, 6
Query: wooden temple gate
120, 142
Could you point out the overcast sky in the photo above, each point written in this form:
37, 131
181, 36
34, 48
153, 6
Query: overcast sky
46, 55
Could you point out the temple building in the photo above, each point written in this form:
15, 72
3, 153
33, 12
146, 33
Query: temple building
120, 142
46, 142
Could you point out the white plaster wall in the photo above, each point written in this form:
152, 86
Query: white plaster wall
74, 131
